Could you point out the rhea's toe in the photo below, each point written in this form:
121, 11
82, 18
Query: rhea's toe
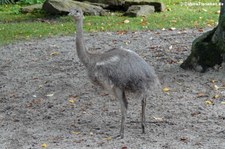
143, 128
118, 137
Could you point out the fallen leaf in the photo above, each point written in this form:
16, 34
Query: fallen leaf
102, 28
76, 132
195, 113
44, 145
180, 61
223, 102
216, 87
126, 21
50, 95
208, 102
184, 139
144, 22
216, 96
72, 101
127, 42
124, 147
172, 28
213, 81
168, 9
158, 119
122, 32
166, 89
73, 96
199, 95
108, 138
200, 30
91, 133
54, 53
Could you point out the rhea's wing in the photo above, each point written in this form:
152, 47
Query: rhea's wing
130, 71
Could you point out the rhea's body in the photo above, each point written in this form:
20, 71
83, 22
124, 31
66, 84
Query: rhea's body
118, 70
122, 68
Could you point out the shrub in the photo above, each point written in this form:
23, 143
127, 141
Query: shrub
30, 2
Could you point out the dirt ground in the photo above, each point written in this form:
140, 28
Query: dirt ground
46, 100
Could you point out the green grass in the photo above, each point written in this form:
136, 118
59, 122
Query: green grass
16, 26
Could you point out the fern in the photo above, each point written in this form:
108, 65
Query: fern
2, 2
31, 1
23, 2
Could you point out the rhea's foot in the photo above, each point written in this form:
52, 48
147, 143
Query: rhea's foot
119, 136
143, 128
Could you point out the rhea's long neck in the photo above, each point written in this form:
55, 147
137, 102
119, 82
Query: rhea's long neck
81, 49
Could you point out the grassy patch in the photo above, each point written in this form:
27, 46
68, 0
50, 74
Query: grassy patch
16, 26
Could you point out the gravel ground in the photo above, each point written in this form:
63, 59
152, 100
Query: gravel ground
47, 100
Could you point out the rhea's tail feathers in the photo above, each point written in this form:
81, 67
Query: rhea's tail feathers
157, 84
155, 90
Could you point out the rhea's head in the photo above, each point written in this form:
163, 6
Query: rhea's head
77, 13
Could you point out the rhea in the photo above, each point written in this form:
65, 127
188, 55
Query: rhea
117, 70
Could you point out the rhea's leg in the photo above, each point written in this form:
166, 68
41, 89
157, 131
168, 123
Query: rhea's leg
120, 94
143, 104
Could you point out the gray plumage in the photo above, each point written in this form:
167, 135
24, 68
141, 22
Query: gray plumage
117, 70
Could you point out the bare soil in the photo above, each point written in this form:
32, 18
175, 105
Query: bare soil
46, 98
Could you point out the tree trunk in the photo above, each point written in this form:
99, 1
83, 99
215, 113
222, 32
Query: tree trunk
208, 49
